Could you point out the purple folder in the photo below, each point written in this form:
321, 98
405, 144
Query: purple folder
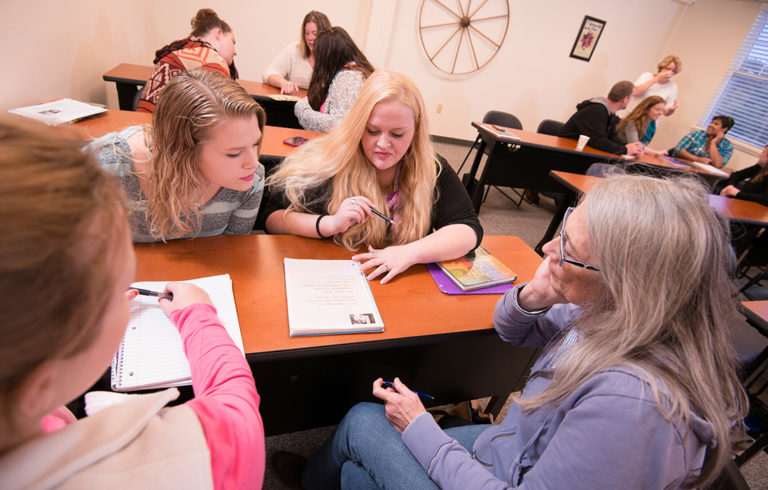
449, 287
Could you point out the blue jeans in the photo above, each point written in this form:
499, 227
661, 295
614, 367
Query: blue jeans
367, 452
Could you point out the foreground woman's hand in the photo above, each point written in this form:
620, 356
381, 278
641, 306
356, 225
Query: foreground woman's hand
539, 293
401, 405
352, 210
184, 294
389, 261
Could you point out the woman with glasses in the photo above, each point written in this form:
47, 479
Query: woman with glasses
636, 380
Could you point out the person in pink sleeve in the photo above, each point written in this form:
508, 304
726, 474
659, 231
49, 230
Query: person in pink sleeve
66, 265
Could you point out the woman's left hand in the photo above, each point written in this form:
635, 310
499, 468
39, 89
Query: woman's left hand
401, 405
729, 191
389, 261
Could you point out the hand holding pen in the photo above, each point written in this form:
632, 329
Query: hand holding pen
177, 295
401, 405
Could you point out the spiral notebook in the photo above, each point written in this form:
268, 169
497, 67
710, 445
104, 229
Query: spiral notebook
151, 354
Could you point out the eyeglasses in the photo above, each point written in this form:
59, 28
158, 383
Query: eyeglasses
562, 247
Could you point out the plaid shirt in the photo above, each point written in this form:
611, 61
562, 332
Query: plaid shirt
695, 143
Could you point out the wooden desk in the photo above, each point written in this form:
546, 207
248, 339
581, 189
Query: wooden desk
733, 209
443, 345
757, 312
101, 124
128, 77
525, 162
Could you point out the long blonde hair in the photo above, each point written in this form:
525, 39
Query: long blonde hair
193, 105
339, 156
665, 257
63, 228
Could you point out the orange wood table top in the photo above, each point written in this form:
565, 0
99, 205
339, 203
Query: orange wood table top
735, 209
411, 306
566, 144
138, 75
115, 120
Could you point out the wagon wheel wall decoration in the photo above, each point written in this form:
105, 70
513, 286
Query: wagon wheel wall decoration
462, 36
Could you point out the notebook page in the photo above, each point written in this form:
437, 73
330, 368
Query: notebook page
152, 352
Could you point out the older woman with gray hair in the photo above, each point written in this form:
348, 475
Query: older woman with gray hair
636, 386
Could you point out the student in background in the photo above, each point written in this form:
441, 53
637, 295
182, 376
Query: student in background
751, 183
635, 386
596, 118
66, 266
708, 146
210, 46
640, 124
339, 74
195, 170
660, 84
292, 68
380, 157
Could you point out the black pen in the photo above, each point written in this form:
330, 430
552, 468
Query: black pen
390, 384
382, 216
147, 292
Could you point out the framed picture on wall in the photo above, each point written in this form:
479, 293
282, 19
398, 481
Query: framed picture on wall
586, 40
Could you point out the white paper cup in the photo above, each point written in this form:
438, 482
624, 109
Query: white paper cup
582, 142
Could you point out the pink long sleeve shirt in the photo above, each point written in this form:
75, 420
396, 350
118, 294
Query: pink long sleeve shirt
226, 400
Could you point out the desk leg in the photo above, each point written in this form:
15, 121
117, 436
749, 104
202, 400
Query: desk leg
125, 95
561, 205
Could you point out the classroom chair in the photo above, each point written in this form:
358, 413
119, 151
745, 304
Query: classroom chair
501, 119
550, 127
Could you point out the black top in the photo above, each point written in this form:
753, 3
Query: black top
749, 191
451, 205
593, 119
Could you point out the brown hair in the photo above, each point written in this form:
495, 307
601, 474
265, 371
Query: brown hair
322, 23
193, 105
669, 59
620, 90
63, 222
334, 51
204, 21
639, 115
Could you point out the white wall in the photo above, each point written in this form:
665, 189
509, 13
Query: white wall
62, 48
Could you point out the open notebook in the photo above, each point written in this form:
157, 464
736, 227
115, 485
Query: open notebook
151, 354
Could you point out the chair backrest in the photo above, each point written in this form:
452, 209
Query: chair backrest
137, 97
550, 126
502, 119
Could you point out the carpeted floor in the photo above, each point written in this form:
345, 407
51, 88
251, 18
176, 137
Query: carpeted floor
499, 216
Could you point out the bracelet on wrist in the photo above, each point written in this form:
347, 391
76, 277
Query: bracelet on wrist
317, 226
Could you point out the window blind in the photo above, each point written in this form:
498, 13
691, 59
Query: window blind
743, 92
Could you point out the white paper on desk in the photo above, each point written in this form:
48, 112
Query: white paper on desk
504, 135
58, 111
709, 168
151, 354
329, 296
284, 97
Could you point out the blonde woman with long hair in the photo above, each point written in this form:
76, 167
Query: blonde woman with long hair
195, 171
636, 387
379, 158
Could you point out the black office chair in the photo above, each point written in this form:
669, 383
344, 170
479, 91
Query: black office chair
501, 119
137, 97
550, 127
494, 117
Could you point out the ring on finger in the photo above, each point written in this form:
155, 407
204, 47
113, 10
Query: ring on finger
386, 267
353, 202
